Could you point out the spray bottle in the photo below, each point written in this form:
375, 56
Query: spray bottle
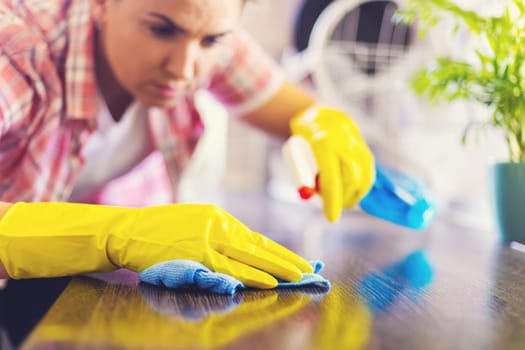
394, 196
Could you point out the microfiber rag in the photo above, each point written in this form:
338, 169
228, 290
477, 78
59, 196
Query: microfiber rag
191, 274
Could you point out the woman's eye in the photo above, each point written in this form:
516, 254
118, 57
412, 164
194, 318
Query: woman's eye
211, 41
162, 31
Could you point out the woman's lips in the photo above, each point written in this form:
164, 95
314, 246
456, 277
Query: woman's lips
166, 90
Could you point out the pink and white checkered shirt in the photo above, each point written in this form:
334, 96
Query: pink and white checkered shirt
48, 106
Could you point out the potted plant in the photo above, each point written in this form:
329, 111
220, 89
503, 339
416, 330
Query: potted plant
494, 77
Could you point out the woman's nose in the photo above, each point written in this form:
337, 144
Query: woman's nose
182, 62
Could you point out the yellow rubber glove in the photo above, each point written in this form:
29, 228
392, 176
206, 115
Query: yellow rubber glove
346, 164
59, 239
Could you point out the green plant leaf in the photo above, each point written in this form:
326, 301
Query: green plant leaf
495, 78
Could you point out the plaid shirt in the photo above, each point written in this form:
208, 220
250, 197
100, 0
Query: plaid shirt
48, 106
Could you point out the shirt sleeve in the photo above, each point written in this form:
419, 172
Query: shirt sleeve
16, 98
28, 83
246, 77
22, 60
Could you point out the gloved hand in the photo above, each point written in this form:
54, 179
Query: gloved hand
346, 164
59, 239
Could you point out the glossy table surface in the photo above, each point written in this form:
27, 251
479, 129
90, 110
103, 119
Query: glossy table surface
445, 288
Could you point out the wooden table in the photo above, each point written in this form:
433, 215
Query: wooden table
446, 288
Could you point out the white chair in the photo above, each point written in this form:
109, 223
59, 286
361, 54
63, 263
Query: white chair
360, 61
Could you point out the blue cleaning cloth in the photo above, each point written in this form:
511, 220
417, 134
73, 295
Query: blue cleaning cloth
187, 274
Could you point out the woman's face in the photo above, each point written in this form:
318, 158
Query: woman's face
157, 49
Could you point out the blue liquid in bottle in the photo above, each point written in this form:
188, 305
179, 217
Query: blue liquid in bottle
400, 199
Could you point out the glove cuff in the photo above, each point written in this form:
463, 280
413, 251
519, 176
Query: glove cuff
58, 239
316, 118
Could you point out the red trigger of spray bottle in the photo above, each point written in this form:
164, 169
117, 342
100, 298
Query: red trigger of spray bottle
308, 192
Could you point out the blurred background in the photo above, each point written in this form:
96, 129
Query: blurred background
351, 55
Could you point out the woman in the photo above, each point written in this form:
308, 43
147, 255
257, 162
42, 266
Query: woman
92, 90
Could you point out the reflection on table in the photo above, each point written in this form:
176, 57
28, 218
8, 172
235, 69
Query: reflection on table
392, 288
